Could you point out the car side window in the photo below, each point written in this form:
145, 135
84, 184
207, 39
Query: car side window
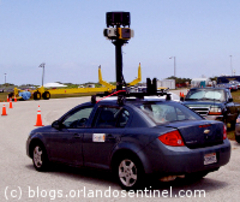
78, 119
110, 117
123, 118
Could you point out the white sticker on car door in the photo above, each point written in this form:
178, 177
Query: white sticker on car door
99, 137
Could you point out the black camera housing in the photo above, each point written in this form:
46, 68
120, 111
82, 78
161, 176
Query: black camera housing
118, 19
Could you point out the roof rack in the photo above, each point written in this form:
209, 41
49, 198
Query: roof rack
122, 94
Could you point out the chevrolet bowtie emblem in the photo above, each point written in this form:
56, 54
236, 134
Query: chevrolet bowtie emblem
206, 131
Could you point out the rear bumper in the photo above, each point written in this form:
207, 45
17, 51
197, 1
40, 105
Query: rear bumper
182, 160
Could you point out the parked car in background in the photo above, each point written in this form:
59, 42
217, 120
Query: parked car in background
237, 83
136, 139
231, 87
172, 96
213, 104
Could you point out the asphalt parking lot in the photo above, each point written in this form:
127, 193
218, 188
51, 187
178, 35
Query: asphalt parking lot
20, 181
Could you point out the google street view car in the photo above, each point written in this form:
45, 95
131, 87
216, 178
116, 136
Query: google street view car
133, 137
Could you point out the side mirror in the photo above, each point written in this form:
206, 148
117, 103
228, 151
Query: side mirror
230, 100
57, 125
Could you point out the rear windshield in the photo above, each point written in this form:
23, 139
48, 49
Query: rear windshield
166, 112
206, 94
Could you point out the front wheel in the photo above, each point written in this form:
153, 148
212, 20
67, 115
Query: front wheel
39, 157
237, 138
129, 173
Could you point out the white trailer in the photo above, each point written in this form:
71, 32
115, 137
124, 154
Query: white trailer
166, 83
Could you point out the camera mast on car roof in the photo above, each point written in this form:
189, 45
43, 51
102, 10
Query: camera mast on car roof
119, 32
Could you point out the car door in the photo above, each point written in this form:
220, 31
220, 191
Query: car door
65, 143
107, 128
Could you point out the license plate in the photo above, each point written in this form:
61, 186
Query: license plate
210, 158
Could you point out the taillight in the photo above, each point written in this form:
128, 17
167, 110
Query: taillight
224, 132
172, 139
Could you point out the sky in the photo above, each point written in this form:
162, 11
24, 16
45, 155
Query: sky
67, 35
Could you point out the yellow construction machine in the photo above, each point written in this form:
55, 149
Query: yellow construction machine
47, 93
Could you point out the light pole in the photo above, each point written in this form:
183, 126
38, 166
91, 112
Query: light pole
231, 63
43, 66
174, 60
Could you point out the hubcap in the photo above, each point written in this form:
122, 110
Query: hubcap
37, 156
127, 172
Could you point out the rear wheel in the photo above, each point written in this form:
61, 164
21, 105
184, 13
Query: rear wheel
37, 95
10, 95
39, 157
129, 172
46, 95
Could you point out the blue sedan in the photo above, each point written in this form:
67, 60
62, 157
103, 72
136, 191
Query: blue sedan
134, 138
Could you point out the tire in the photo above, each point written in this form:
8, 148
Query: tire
129, 173
233, 123
39, 157
10, 95
237, 138
37, 95
46, 95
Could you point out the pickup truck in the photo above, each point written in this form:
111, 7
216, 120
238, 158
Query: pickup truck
213, 104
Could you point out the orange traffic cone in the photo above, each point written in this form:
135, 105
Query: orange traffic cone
10, 104
39, 117
180, 94
7, 98
4, 112
15, 99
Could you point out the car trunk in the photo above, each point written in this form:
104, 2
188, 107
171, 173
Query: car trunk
198, 134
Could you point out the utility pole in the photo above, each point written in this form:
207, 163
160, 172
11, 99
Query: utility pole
231, 64
42, 66
5, 78
174, 64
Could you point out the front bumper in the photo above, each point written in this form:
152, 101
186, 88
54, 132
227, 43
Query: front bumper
213, 117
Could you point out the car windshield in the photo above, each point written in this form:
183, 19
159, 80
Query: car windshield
206, 94
165, 112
